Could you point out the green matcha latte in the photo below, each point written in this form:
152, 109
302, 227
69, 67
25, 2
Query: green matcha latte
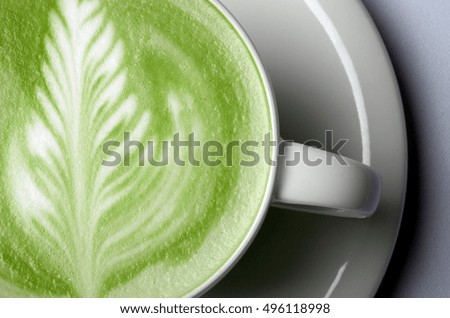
75, 74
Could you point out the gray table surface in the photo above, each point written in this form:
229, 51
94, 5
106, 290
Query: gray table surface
417, 36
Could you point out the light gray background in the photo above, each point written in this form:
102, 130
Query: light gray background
417, 35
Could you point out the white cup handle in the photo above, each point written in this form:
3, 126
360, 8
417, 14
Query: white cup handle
313, 180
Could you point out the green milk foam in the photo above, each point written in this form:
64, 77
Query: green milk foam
78, 73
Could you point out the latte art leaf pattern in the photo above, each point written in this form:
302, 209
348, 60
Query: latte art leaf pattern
90, 223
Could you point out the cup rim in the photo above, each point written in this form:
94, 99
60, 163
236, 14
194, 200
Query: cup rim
264, 206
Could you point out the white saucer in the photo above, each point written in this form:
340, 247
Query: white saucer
330, 71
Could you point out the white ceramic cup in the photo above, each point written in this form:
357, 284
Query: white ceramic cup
316, 185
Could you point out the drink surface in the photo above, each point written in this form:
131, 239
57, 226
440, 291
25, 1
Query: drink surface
76, 74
